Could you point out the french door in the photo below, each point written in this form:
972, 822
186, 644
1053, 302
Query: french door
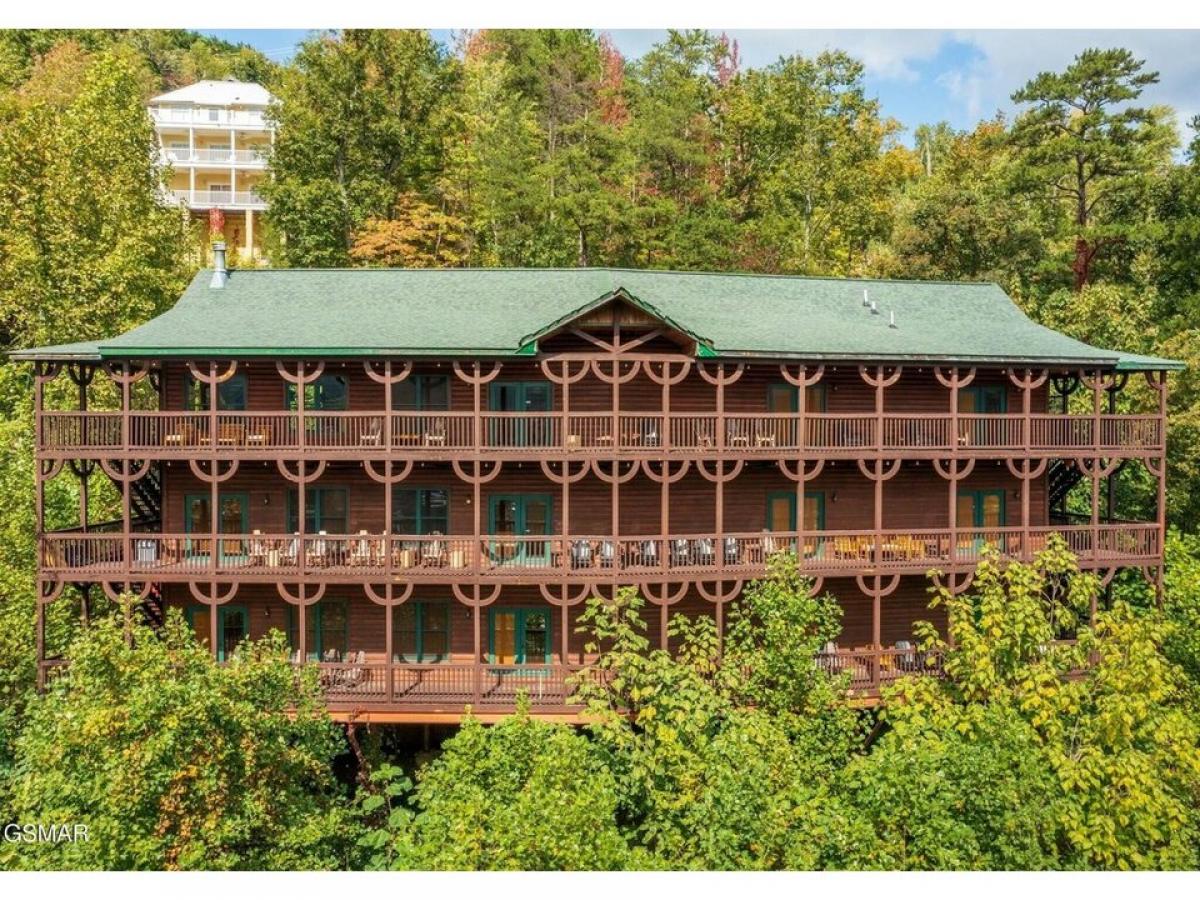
521, 397
233, 627
233, 518
512, 520
518, 636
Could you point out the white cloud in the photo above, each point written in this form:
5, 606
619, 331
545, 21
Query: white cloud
1008, 59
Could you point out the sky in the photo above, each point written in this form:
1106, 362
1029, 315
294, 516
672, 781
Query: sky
919, 76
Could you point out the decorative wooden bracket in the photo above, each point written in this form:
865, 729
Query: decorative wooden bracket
877, 590
720, 592
664, 475
214, 596
802, 379
389, 375
301, 475
304, 595
389, 475
663, 593
565, 476
719, 474
478, 475
214, 472
879, 469
477, 377
560, 594
392, 595
615, 476
118, 469
475, 595
721, 375
801, 470
954, 469
953, 377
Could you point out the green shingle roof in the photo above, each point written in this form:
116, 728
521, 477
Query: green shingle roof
500, 312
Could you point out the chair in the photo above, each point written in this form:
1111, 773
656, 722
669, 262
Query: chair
704, 438
184, 436
607, 554
360, 551
769, 546
705, 552
318, 552
732, 554
581, 554
573, 442
433, 553
436, 436
291, 553
231, 435
648, 551
681, 552
372, 435
258, 549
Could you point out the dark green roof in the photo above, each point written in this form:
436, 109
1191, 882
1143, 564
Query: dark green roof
501, 312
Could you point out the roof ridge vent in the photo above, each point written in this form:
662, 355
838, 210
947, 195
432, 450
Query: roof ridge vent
874, 307
866, 298
892, 319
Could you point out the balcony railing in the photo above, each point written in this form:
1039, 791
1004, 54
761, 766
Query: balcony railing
599, 433
210, 116
237, 157
582, 558
240, 199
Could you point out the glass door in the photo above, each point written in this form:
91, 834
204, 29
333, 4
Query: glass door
233, 627
983, 512
521, 397
519, 636
233, 510
511, 520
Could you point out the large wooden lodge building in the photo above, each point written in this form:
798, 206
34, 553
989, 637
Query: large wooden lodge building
420, 475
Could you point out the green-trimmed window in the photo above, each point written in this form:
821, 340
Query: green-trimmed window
420, 392
519, 635
981, 509
782, 398
983, 399
325, 509
781, 511
421, 632
329, 392
231, 393
233, 626
420, 511
326, 630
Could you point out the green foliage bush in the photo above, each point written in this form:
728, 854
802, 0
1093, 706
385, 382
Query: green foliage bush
174, 762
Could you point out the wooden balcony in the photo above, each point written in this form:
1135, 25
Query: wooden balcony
450, 435
365, 558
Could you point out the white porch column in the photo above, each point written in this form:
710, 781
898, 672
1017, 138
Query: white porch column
249, 233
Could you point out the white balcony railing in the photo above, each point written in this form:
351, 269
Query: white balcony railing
210, 116
209, 199
255, 158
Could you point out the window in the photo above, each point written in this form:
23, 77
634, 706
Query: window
327, 392
420, 511
781, 511
213, 113
420, 392
983, 399
233, 520
981, 509
326, 630
519, 636
421, 632
521, 397
232, 627
325, 509
231, 394
512, 519
782, 398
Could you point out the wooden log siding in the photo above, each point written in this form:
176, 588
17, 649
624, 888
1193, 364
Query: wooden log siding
889, 459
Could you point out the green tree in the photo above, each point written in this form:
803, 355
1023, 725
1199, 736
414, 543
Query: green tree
522, 794
1083, 149
175, 762
356, 128
1100, 728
